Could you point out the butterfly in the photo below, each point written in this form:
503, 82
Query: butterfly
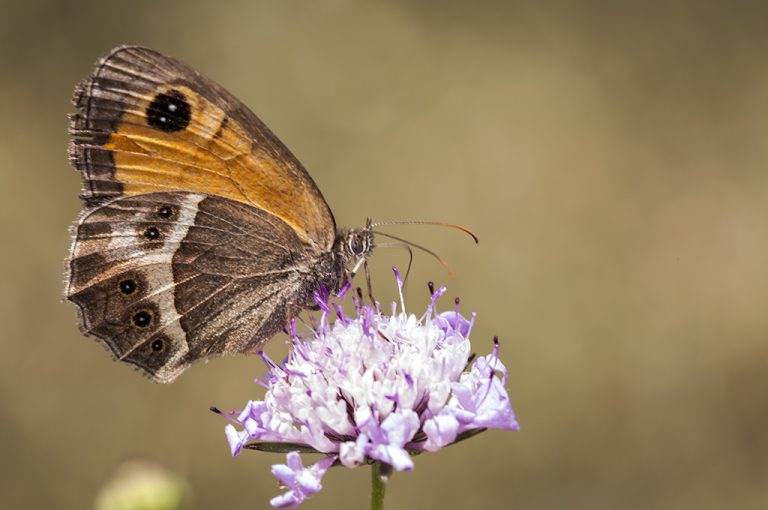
200, 234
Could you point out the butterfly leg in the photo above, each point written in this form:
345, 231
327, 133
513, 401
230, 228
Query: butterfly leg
368, 283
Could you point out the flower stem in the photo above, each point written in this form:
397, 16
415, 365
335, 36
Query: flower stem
379, 476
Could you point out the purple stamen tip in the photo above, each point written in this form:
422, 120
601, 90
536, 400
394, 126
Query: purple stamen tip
340, 313
436, 294
496, 346
431, 287
267, 360
321, 300
345, 289
398, 277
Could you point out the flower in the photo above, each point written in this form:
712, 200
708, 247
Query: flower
372, 387
301, 481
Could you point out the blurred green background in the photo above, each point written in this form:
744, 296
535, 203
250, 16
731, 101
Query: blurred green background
612, 157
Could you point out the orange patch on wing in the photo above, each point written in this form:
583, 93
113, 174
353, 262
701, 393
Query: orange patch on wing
212, 155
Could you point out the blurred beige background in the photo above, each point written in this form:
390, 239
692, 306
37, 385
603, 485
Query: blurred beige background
612, 157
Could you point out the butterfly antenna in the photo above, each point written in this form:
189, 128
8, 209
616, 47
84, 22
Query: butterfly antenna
422, 248
410, 261
422, 222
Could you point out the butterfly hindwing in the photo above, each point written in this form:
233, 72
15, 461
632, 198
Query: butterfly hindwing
165, 279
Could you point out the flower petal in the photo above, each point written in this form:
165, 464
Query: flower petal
236, 439
284, 474
399, 428
440, 431
352, 453
285, 500
452, 322
396, 457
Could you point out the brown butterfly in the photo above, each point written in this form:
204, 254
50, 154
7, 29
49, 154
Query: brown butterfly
201, 234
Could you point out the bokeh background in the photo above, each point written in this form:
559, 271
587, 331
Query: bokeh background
612, 157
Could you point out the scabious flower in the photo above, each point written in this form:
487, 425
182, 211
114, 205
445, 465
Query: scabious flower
372, 388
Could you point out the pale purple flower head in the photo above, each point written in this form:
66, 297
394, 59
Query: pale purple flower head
372, 387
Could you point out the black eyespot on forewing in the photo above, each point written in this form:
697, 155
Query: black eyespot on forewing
169, 112
157, 345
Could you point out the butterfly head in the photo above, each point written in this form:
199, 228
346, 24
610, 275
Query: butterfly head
354, 246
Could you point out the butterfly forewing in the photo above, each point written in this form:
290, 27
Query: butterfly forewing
148, 122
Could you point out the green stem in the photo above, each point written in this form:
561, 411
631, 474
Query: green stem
379, 475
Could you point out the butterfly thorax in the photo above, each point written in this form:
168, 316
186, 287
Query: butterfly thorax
331, 270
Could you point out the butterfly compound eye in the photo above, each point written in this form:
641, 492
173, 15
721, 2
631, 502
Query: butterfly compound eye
169, 112
359, 242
